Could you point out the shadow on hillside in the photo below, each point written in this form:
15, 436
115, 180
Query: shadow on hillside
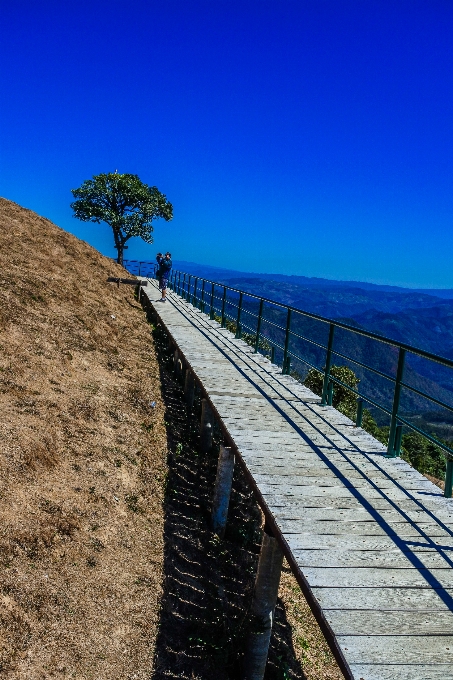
208, 583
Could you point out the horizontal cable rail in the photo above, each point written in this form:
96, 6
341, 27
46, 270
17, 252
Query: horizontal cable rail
368, 334
278, 334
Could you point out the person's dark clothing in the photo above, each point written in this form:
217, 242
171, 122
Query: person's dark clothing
166, 266
159, 271
163, 272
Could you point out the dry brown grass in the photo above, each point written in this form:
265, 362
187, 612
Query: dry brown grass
82, 461
310, 647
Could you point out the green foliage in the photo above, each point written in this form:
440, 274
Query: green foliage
369, 425
424, 456
125, 203
343, 399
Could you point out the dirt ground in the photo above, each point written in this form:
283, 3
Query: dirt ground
82, 461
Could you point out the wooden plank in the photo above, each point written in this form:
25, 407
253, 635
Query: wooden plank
384, 598
394, 558
415, 671
289, 527
336, 542
370, 577
306, 467
413, 649
130, 282
329, 478
245, 398
300, 490
294, 507
347, 622
359, 514
363, 490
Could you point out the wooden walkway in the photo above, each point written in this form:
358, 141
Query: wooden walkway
369, 539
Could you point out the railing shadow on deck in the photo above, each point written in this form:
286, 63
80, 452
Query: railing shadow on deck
253, 377
208, 583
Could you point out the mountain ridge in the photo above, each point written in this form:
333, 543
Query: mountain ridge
207, 271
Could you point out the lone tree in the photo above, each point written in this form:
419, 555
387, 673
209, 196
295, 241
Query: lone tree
125, 203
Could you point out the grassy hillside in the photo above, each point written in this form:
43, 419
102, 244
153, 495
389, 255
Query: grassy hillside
82, 461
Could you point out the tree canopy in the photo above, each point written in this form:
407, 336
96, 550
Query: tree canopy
125, 203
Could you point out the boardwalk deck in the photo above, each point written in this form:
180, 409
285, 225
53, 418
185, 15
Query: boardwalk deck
369, 538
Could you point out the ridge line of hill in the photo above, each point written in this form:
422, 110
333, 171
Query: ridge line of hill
311, 281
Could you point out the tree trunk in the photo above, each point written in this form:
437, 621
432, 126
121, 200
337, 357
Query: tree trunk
121, 246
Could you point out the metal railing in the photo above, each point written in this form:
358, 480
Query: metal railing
284, 332
140, 268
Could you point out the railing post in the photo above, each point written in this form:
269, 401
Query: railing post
238, 321
189, 388
202, 296
211, 311
328, 364
139, 268
258, 327
285, 367
272, 354
223, 306
398, 439
184, 287
188, 298
449, 478
179, 283
177, 364
359, 416
222, 490
391, 448
330, 393
194, 297
263, 606
206, 426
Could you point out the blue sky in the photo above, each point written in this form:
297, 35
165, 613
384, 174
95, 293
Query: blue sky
300, 137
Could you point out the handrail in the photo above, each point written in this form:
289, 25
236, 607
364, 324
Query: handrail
188, 286
368, 334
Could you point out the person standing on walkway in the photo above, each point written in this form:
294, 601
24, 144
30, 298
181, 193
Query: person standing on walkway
159, 258
163, 273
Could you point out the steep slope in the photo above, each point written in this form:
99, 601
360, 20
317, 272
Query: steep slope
82, 461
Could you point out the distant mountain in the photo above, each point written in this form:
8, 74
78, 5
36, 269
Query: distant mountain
429, 328
335, 302
223, 275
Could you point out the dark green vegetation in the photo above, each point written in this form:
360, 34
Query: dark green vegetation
418, 451
125, 203
208, 583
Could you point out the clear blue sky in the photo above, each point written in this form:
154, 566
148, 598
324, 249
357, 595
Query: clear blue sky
310, 137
